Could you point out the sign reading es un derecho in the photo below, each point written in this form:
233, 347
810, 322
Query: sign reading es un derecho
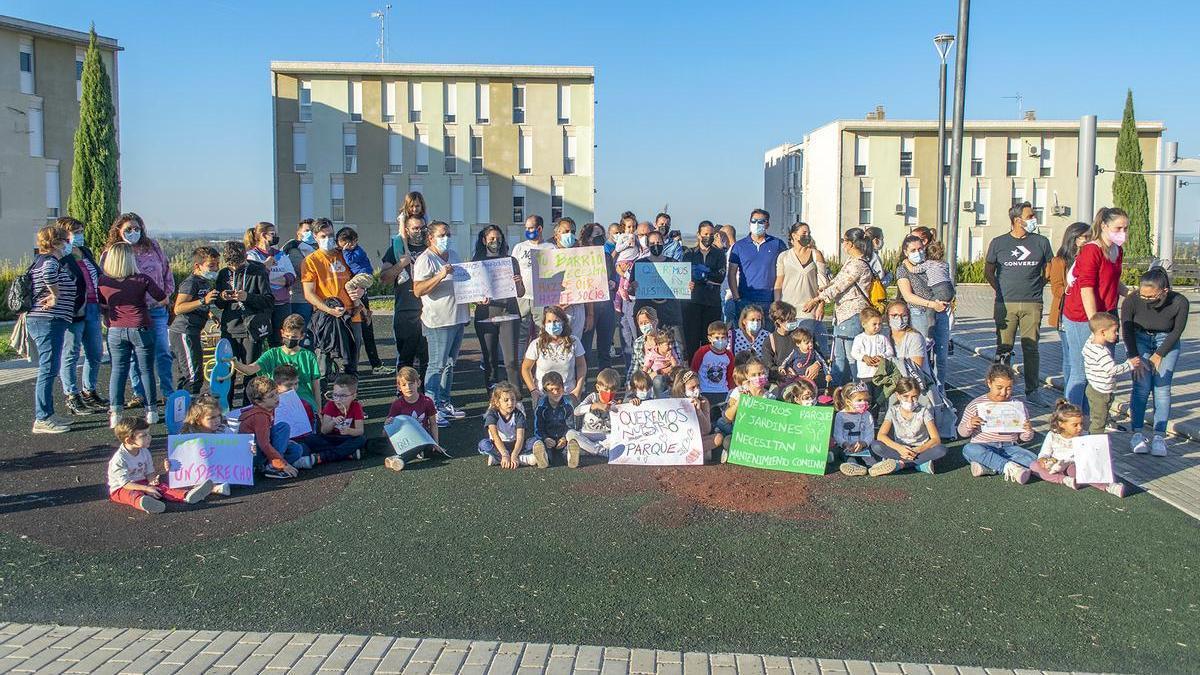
781, 436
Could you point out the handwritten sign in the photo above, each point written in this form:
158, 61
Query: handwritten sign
655, 433
221, 458
1007, 417
662, 280
493, 279
406, 432
1093, 459
291, 410
569, 276
781, 436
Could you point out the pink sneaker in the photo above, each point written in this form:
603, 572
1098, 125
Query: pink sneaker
978, 470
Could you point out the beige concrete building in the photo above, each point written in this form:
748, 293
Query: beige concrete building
39, 111
483, 144
880, 172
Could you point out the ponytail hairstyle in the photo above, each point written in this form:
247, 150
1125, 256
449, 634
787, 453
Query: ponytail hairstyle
1063, 410
1157, 277
843, 394
254, 234
1068, 249
1104, 216
795, 391
859, 241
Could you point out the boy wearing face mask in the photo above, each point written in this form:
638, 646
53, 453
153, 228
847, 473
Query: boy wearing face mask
196, 295
714, 364
290, 353
592, 416
777, 350
243, 306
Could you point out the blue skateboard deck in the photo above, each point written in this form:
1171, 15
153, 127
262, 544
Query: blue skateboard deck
220, 380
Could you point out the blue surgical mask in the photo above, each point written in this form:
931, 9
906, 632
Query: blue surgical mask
209, 274
309, 238
916, 257
78, 240
132, 236
567, 239
753, 325
645, 328
758, 228
791, 325
554, 328
531, 235
442, 243
720, 344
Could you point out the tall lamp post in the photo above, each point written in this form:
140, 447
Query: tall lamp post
942, 43
960, 95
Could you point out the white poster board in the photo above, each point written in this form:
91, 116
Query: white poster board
492, 279
663, 280
656, 433
1007, 417
221, 458
1093, 459
291, 410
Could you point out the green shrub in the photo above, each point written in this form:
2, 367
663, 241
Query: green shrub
970, 272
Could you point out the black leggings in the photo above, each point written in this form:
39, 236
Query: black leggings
247, 350
368, 333
499, 344
412, 349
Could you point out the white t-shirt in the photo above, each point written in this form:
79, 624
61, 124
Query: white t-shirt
869, 345
438, 309
556, 358
524, 251
125, 467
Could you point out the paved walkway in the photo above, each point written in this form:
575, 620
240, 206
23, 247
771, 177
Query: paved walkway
67, 649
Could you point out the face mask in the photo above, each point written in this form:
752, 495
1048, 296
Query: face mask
327, 244
309, 238
719, 344
806, 240
898, 322
532, 235
758, 381
807, 401
753, 326
646, 328
606, 396
417, 239
643, 394
442, 243
1031, 225
598, 240
706, 241
759, 229
692, 393
493, 246
274, 240
292, 343
554, 328
567, 239
656, 249
132, 236
78, 240
916, 257
65, 249
859, 407
644, 240
907, 406
791, 326
209, 275
1117, 238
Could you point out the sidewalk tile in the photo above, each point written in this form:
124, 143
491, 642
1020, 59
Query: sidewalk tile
396, 658
642, 661
221, 642
200, 663
535, 655
615, 667
342, 656
804, 666
254, 664
427, 651
670, 668
915, 669
449, 662
589, 657
28, 635
669, 657
616, 653
505, 663
362, 666
481, 654
183, 653
273, 643
695, 663
375, 647
860, 668
567, 651
888, 669
307, 665
560, 665
237, 653
288, 655
323, 646
724, 660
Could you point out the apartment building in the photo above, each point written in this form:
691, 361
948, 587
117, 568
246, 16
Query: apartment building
482, 143
40, 89
885, 173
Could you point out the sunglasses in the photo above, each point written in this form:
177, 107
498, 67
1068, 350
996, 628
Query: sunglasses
757, 221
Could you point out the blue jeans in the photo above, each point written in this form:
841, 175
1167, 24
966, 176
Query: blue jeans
729, 313
487, 447
287, 448
1075, 335
1159, 381
164, 360
843, 336
128, 346
934, 326
86, 334
995, 456
47, 335
303, 309
444, 344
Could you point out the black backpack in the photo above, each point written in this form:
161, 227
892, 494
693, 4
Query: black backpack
20, 292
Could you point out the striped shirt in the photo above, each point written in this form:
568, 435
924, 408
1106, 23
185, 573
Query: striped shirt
49, 272
1100, 368
972, 411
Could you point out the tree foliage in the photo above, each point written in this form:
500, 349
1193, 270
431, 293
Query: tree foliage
1129, 189
95, 187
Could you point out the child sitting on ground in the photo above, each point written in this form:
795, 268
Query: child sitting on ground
714, 363
937, 272
290, 353
1056, 461
992, 452
204, 416
908, 434
870, 347
592, 416
277, 455
805, 361
800, 392
287, 378
750, 333
551, 420
413, 403
687, 385
132, 480
1101, 370
751, 376
342, 422
778, 348
504, 424
853, 430
659, 358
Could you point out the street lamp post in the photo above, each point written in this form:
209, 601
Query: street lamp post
960, 95
942, 43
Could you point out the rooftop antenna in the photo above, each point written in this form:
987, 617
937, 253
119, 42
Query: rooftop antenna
382, 42
1020, 104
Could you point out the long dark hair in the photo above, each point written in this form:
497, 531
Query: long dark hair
859, 240
1069, 249
481, 249
114, 231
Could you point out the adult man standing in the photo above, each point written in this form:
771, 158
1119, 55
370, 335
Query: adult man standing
525, 252
324, 276
708, 271
752, 265
1016, 269
412, 348
672, 246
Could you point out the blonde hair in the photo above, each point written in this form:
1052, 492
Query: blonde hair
253, 234
503, 388
202, 406
1105, 216
843, 394
49, 236
119, 261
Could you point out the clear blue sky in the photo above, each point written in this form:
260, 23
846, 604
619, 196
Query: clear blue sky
690, 94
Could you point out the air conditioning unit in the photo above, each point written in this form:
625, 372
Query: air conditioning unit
899, 209
1060, 210
968, 206
1034, 151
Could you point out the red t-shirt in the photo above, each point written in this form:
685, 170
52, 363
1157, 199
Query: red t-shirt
423, 409
353, 414
715, 370
1094, 270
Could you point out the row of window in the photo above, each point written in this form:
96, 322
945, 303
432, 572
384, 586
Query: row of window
25, 62
1044, 151
416, 103
391, 194
981, 196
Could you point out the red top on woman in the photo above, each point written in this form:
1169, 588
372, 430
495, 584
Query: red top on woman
1094, 270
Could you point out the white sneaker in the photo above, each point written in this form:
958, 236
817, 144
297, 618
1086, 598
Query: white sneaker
1016, 473
222, 489
49, 426
453, 412
1158, 447
978, 470
198, 493
151, 416
1137, 443
1116, 489
113, 418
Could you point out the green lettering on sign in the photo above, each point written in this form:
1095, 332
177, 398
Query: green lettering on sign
771, 434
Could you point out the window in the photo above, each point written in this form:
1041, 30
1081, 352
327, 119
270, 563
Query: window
476, 152
483, 200
53, 199
526, 151
1046, 159
389, 101
976, 157
422, 152
982, 195
518, 96
356, 101
337, 199
861, 155
390, 190
299, 148
414, 102
26, 66
456, 201
556, 200
451, 158
306, 196
1012, 160
483, 103
395, 150
976, 251
864, 205
1039, 200
350, 150
450, 94
569, 152
80, 55
518, 204
564, 104
306, 101
906, 155
34, 118
912, 197
1018, 193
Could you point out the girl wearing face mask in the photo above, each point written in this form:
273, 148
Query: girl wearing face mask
751, 380
153, 263
853, 433
1153, 320
85, 333
297, 250
686, 385
908, 436
750, 334
497, 322
799, 273
261, 241
557, 350
778, 348
910, 345
1073, 239
1094, 286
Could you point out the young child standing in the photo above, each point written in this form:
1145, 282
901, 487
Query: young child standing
132, 480
853, 430
713, 362
870, 347
504, 423
291, 353
908, 434
360, 263
1101, 370
551, 420
592, 416
342, 421
195, 295
750, 335
277, 454
413, 403
996, 452
1056, 461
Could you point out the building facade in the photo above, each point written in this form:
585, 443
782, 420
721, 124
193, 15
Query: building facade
40, 89
783, 183
483, 144
885, 173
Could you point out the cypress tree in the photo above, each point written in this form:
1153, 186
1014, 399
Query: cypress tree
95, 190
1129, 189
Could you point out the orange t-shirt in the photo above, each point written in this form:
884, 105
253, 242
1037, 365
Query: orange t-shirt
330, 273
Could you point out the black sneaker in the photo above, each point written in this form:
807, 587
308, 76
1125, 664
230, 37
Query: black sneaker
272, 472
135, 402
95, 400
76, 405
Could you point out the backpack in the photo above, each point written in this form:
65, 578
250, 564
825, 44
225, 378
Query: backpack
20, 292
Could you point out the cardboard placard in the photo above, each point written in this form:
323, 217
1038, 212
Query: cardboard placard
662, 280
491, 279
569, 276
221, 458
659, 432
770, 434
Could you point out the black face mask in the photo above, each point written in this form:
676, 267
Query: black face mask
664, 229
291, 343
417, 239
656, 249
598, 240
706, 241
806, 240
274, 240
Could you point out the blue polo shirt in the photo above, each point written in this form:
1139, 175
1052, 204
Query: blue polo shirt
756, 267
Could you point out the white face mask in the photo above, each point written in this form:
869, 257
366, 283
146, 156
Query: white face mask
693, 393
908, 406
642, 393
644, 240
327, 244
132, 236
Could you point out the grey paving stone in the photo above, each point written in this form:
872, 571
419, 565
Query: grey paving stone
695, 663
237, 653
55, 668
888, 669
939, 669
427, 651
915, 669
860, 668
563, 650
505, 662
205, 635
323, 646
287, 655
670, 668
589, 657
724, 670
396, 658
616, 653
832, 665
135, 649
342, 656
530, 671
363, 666
642, 661
776, 663
273, 643
749, 664
94, 660
729, 660
449, 662
473, 669
253, 664
669, 657
35, 646
31, 633
375, 647
221, 642
418, 668
41, 660
306, 665
9, 663
998, 671
969, 670
160, 669
535, 655
480, 654
560, 665
614, 667
253, 638
510, 648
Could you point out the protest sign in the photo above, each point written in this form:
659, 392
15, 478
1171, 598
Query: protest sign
771, 434
1093, 460
406, 432
1007, 417
492, 279
291, 410
568, 276
221, 458
655, 433
662, 280
176, 409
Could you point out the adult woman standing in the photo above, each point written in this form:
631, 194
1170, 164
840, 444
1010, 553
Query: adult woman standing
1152, 322
433, 283
131, 336
297, 250
799, 273
55, 301
151, 262
498, 322
930, 317
581, 314
85, 333
260, 243
554, 349
1074, 237
848, 291
1093, 286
